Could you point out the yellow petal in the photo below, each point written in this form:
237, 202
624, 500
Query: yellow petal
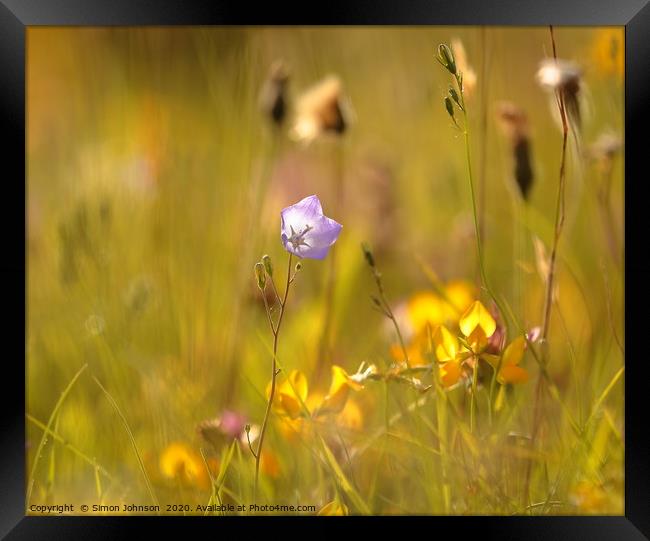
339, 390
477, 340
512, 374
351, 417
445, 343
514, 352
334, 508
291, 393
450, 373
477, 317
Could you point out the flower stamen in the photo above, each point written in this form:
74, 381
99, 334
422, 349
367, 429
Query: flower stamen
298, 239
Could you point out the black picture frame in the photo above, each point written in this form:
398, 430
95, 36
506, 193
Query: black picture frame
16, 15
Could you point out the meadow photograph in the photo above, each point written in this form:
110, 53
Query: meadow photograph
332, 270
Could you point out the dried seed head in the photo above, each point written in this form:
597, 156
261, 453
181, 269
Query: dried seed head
564, 78
514, 124
512, 120
523, 170
321, 109
272, 100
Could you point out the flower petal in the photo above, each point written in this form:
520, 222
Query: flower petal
450, 373
477, 316
291, 393
339, 390
514, 352
512, 374
446, 344
325, 233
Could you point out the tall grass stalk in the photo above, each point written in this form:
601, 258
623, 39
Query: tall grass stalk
47, 430
117, 409
483, 127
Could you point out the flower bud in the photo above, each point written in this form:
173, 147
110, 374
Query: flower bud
368, 254
446, 58
449, 106
454, 96
268, 266
298, 266
260, 275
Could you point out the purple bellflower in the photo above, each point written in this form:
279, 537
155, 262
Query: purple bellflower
306, 232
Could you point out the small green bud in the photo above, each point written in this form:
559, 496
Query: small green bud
268, 266
454, 96
368, 254
298, 266
247, 428
450, 107
260, 275
446, 58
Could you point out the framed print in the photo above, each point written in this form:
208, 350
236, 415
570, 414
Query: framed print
368, 264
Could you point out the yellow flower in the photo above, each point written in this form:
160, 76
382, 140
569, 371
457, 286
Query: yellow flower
477, 325
450, 373
449, 354
510, 372
608, 52
181, 463
334, 508
446, 344
425, 308
339, 390
290, 394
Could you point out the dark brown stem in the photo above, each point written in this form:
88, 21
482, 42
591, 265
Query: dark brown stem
550, 279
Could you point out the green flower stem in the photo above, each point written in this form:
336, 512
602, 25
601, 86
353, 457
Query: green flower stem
479, 244
276, 333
